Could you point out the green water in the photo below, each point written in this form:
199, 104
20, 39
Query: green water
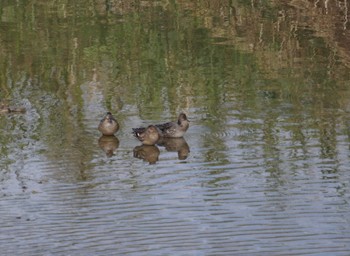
263, 169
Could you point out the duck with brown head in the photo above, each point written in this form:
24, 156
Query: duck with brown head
148, 136
175, 129
108, 125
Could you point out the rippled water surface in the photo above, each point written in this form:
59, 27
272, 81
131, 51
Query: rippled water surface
264, 168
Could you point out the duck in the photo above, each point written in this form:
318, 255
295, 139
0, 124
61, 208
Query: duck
148, 136
4, 109
108, 125
175, 129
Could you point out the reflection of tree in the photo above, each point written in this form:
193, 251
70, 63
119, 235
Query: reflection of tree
178, 56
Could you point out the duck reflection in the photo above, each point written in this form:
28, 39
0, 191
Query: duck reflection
178, 145
109, 144
149, 153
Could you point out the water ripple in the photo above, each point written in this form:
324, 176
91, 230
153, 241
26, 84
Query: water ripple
235, 194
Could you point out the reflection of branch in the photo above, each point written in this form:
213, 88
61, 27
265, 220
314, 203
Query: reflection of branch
316, 2
326, 5
345, 14
261, 32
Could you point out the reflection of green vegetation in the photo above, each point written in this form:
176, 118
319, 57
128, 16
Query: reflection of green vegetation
174, 56
96, 53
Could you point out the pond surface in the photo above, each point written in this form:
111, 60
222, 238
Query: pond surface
264, 168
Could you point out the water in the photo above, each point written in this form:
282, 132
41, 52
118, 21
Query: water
262, 170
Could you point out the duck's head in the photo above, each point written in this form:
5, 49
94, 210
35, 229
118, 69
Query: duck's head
182, 120
109, 117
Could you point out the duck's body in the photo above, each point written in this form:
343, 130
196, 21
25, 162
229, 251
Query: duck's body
171, 129
148, 136
108, 125
4, 108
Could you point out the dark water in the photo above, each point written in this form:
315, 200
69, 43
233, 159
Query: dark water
264, 168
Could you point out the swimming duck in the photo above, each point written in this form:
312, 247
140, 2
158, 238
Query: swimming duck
108, 125
4, 108
174, 129
148, 136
